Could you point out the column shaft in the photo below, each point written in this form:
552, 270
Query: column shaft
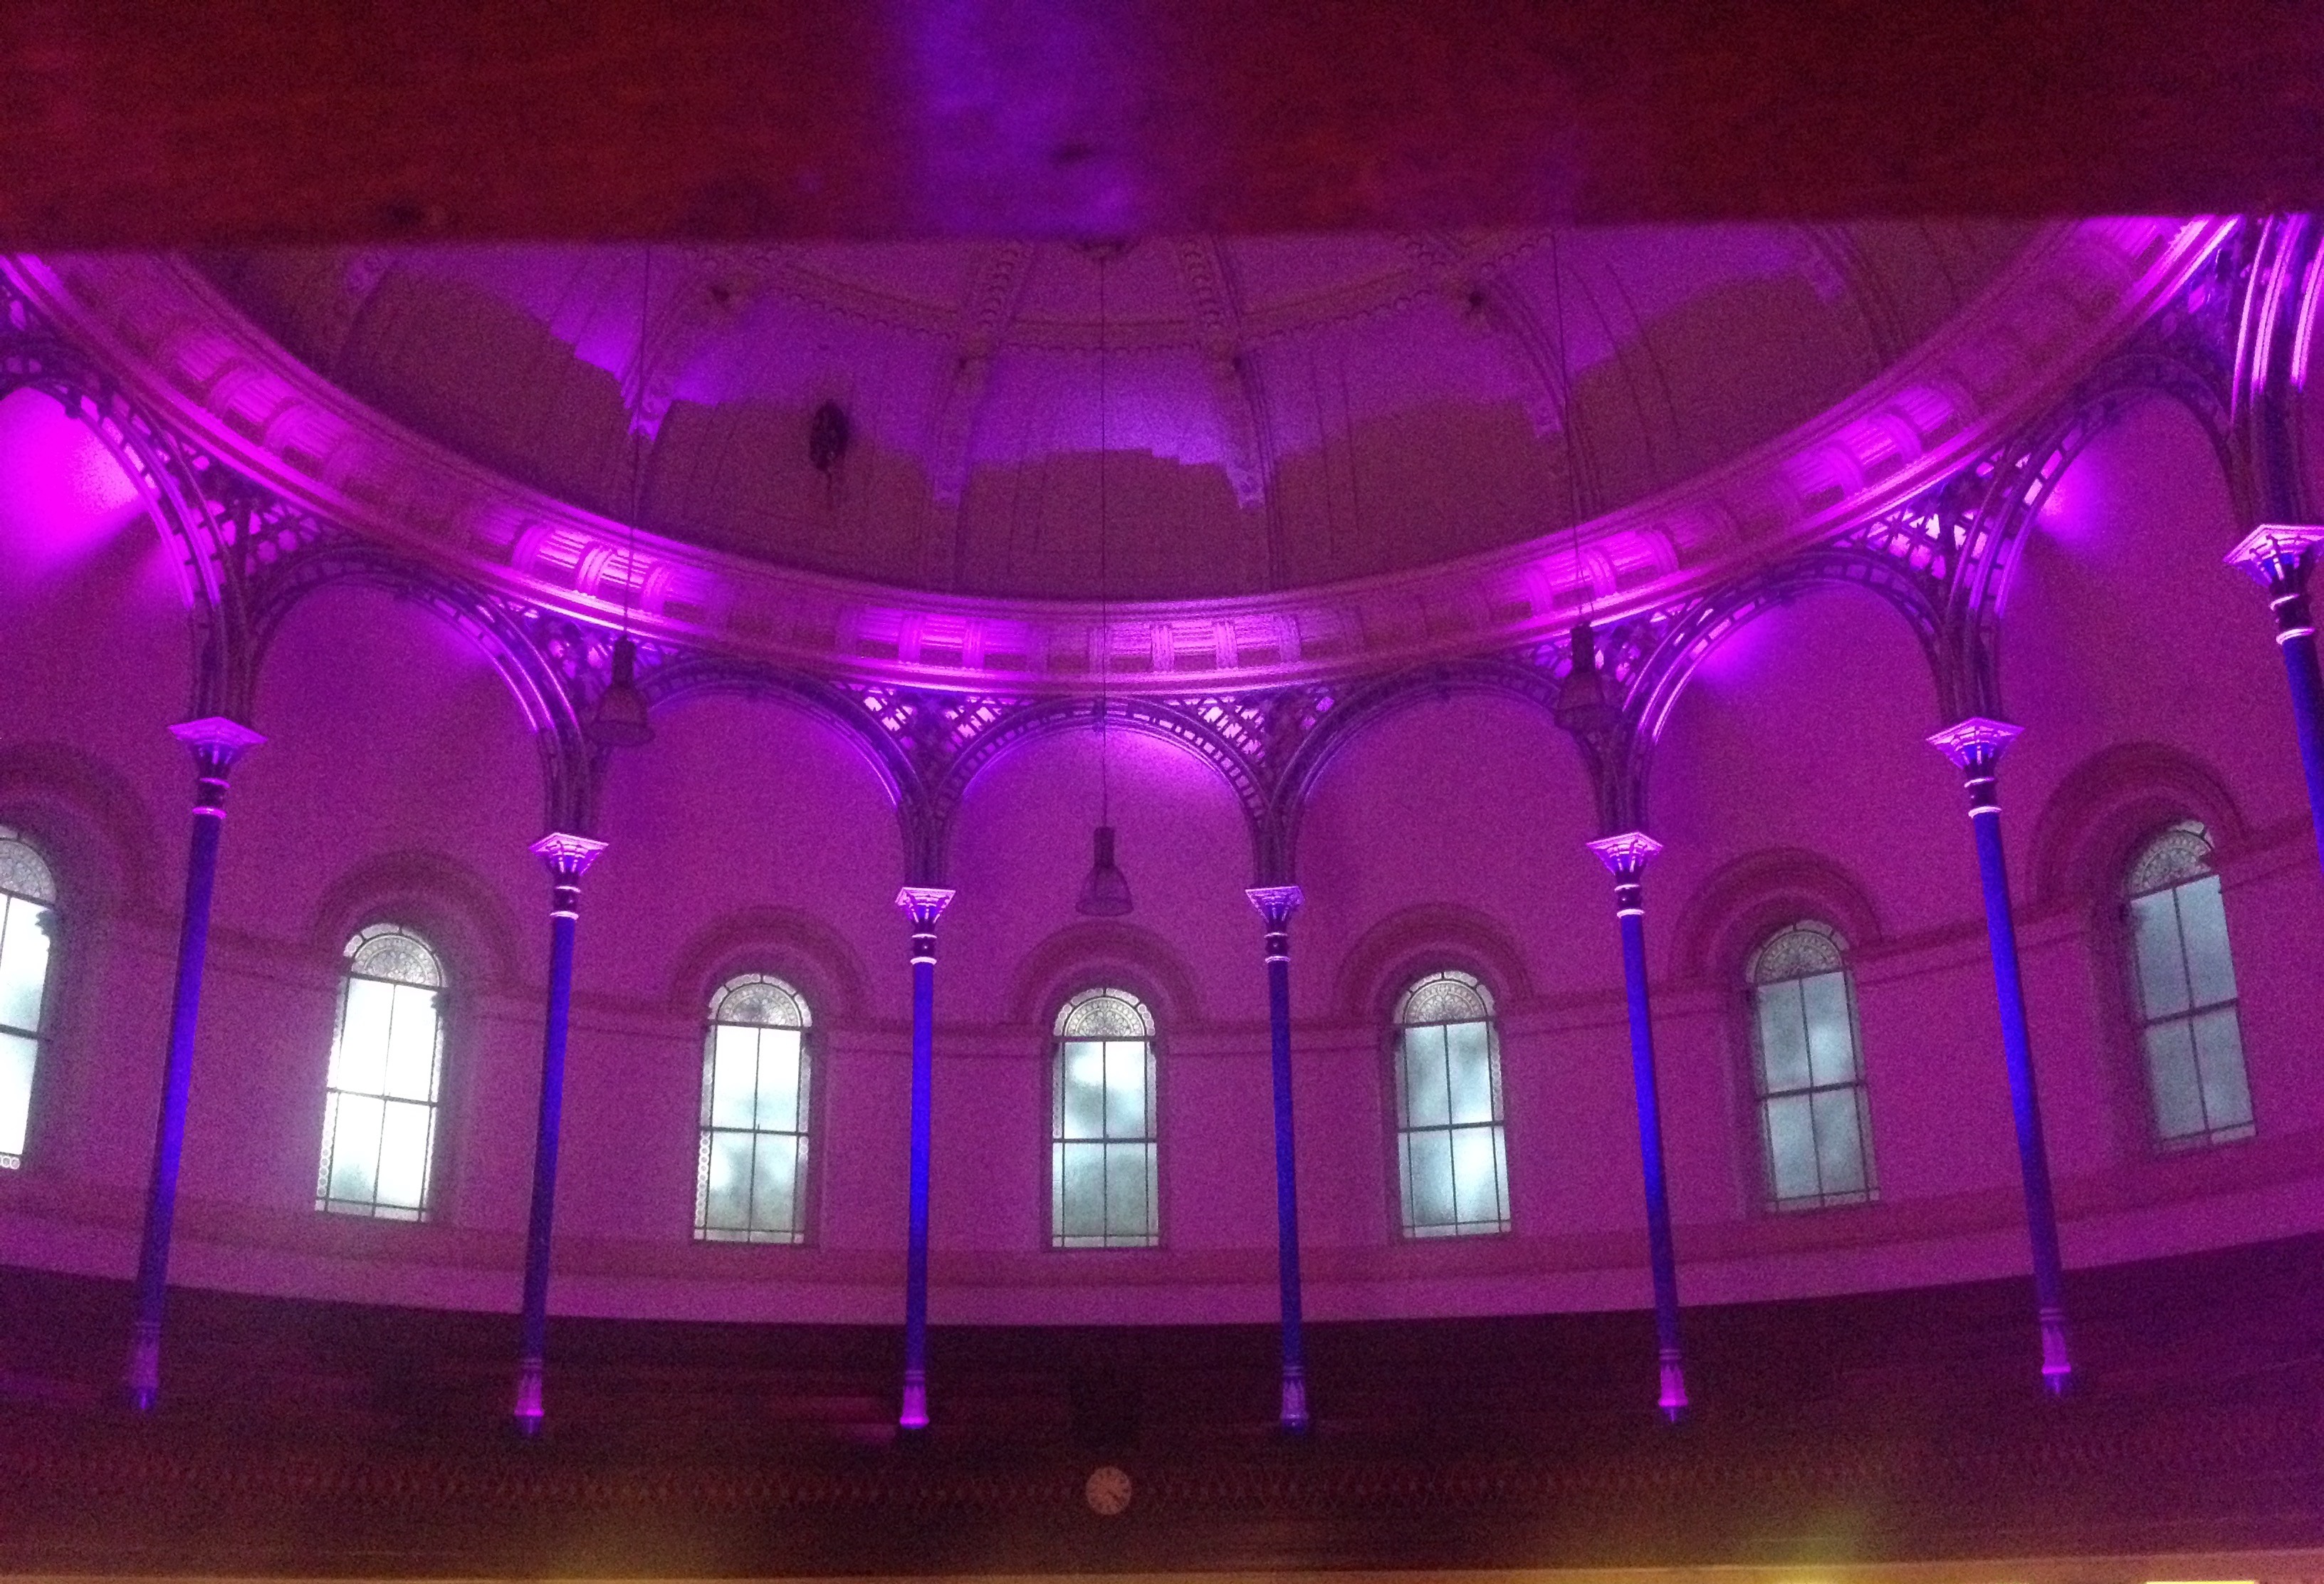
566, 856
923, 905
2308, 718
1625, 856
1275, 904
216, 744
1975, 746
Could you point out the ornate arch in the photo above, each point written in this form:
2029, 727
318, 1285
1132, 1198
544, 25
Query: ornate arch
542, 665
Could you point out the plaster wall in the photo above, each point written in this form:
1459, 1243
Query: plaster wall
399, 783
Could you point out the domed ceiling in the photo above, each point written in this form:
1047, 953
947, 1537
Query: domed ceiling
1276, 413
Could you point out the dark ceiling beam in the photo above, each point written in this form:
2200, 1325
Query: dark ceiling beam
172, 123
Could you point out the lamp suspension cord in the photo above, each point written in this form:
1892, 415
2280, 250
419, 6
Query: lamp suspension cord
1105, 628
1566, 422
638, 448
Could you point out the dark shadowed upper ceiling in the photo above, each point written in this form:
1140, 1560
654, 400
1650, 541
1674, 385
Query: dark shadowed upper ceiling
1277, 412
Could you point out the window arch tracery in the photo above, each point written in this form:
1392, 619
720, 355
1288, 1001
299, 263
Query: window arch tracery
1105, 1139
1815, 1124
382, 1090
2183, 976
1452, 1145
28, 929
751, 1181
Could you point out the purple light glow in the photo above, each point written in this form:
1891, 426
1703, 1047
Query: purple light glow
62, 492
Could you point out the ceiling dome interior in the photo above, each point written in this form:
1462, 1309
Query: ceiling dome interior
1277, 412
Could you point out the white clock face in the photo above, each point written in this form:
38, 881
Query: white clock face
1107, 1491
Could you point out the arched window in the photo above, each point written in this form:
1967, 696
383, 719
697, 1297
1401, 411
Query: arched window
1813, 1117
1104, 1143
387, 1064
2186, 983
28, 927
751, 1185
1452, 1156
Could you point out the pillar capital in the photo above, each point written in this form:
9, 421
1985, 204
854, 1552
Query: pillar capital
216, 741
924, 904
568, 855
1275, 904
1626, 855
1976, 743
2273, 553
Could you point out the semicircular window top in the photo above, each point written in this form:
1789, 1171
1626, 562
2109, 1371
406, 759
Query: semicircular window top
1452, 1148
385, 1079
1105, 1144
757, 1093
28, 931
1815, 1124
2184, 975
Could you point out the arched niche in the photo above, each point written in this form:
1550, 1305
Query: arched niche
1795, 777
743, 803
1021, 849
94, 629
398, 783
2122, 624
1468, 800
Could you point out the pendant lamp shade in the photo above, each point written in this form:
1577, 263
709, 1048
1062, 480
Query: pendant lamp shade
1105, 894
620, 721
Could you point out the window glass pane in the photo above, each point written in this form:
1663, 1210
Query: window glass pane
404, 1154
1476, 1175
775, 1195
18, 1052
359, 1061
2203, 922
2219, 1059
1468, 1062
356, 1121
1081, 1089
1427, 1101
778, 1081
1125, 1089
1128, 1206
1079, 1171
1429, 1173
410, 1056
2171, 1075
1840, 1145
727, 1197
1790, 1123
2155, 955
1832, 1036
1783, 1037
23, 963
733, 1077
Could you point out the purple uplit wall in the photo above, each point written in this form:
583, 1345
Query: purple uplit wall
399, 783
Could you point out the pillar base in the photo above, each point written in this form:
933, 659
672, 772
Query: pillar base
141, 1380
915, 1414
529, 1413
1293, 1420
2057, 1363
1672, 1401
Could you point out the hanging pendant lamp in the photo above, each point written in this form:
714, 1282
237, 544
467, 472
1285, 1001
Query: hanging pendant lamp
1105, 894
620, 721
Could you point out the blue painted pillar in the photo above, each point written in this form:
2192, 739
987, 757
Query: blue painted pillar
568, 857
1275, 904
1625, 856
2278, 555
923, 905
1975, 746
217, 743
